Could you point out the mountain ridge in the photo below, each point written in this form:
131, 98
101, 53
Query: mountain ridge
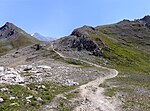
12, 37
121, 43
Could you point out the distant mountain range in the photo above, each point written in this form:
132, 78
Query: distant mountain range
42, 38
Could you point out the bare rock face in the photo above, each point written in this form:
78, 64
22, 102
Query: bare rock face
80, 40
9, 30
146, 19
84, 43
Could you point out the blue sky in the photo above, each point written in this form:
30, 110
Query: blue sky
57, 18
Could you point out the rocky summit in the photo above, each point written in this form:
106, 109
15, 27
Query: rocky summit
9, 30
80, 40
103, 68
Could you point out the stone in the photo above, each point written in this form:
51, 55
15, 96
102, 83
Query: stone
97, 52
65, 98
29, 97
39, 99
43, 87
37, 47
12, 98
23, 68
28, 101
4, 89
10, 76
1, 100
71, 83
1, 69
14, 104
27, 68
44, 67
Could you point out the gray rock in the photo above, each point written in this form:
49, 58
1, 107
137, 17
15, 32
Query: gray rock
4, 89
12, 98
29, 97
14, 104
10, 76
43, 87
1, 100
80, 40
39, 99
71, 83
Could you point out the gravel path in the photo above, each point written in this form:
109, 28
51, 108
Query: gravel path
93, 98
92, 95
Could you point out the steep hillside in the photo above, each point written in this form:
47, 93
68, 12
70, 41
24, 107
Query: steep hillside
12, 37
124, 46
127, 42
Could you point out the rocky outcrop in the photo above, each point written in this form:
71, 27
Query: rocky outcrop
10, 76
146, 19
9, 30
80, 40
85, 43
84, 31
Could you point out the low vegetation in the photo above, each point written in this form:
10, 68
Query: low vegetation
134, 70
72, 95
29, 97
78, 63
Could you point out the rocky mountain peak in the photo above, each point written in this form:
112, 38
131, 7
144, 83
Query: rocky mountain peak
146, 19
9, 30
8, 25
80, 40
83, 31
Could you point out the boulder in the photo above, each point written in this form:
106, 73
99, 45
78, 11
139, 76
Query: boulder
80, 39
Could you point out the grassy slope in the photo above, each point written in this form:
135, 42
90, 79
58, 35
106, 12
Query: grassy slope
133, 63
18, 42
122, 56
23, 40
20, 103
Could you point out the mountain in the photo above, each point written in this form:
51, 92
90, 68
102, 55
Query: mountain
42, 38
12, 37
124, 46
94, 68
126, 43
